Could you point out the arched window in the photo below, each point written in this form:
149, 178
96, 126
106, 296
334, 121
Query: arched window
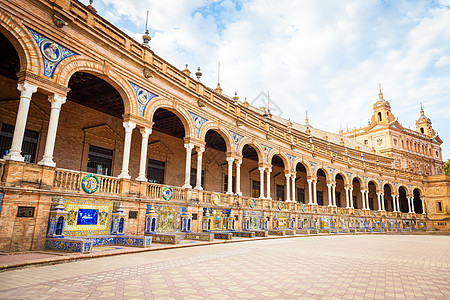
59, 226
121, 223
421, 130
379, 116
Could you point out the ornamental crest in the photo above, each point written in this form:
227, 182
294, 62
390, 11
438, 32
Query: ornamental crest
167, 193
52, 53
90, 183
291, 159
236, 138
143, 96
198, 122
267, 150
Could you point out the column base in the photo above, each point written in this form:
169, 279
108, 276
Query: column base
239, 194
16, 156
141, 178
124, 175
229, 193
187, 186
47, 161
198, 188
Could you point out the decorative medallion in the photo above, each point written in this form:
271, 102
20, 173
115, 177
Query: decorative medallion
143, 96
291, 159
236, 138
303, 207
267, 150
198, 122
215, 198
52, 53
167, 193
251, 202
342, 211
280, 205
90, 183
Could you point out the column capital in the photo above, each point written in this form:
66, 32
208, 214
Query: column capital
238, 161
189, 146
129, 126
261, 169
230, 160
56, 100
200, 149
288, 175
145, 132
26, 89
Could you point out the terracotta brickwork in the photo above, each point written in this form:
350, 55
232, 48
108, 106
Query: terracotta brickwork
106, 53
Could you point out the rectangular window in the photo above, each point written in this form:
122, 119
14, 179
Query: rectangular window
194, 217
155, 171
194, 177
233, 185
255, 189
29, 145
319, 197
439, 206
99, 160
300, 195
280, 192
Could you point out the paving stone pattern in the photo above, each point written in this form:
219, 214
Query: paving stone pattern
322, 267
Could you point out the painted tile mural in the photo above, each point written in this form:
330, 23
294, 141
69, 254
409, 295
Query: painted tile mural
169, 218
88, 217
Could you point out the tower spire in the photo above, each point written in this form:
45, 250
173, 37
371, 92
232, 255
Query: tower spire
218, 89
380, 95
421, 110
146, 37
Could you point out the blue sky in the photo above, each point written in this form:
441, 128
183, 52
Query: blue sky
326, 56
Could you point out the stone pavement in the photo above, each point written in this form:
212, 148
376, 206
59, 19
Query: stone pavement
321, 267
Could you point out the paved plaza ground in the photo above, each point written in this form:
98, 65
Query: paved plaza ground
320, 267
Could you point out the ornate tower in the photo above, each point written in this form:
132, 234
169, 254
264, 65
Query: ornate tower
382, 111
423, 124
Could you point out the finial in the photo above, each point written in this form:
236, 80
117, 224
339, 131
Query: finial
198, 74
306, 119
186, 65
120, 208
146, 37
218, 73
235, 98
60, 204
90, 2
268, 102
380, 95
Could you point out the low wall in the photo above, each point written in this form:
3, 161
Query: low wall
198, 236
261, 233
244, 234
223, 235
277, 232
173, 239
69, 245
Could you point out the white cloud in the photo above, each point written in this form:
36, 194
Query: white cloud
324, 56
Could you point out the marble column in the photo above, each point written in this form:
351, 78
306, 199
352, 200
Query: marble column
330, 200
56, 102
187, 172
230, 161
26, 91
382, 202
238, 163
333, 194
398, 203
294, 190
198, 182
261, 182
310, 191
379, 202
367, 200
145, 133
347, 198
288, 187
363, 195
423, 205
268, 183
350, 194
409, 204
315, 192
129, 126
394, 202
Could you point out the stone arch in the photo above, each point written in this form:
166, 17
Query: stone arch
390, 185
255, 145
23, 42
307, 166
359, 178
408, 192
415, 187
213, 125
174, 107
73, 64
283, 157
325, 170
377, 184
344, 176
